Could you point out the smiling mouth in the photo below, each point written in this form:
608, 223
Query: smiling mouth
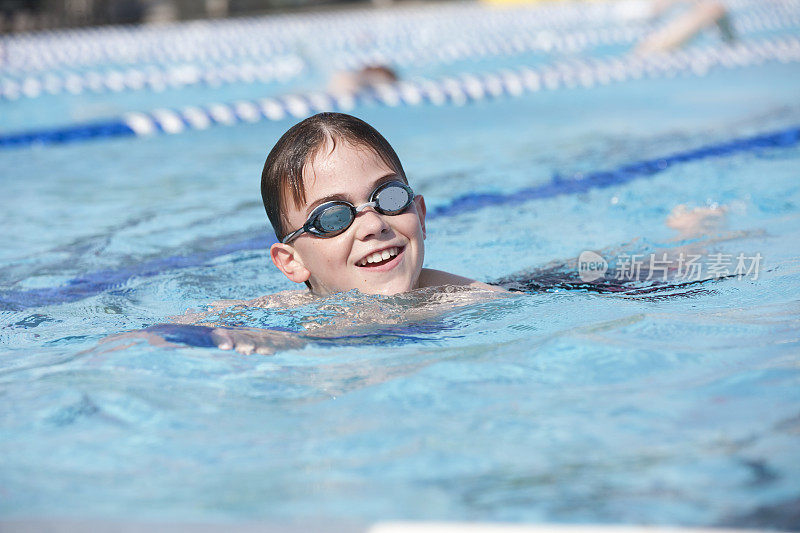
381, 258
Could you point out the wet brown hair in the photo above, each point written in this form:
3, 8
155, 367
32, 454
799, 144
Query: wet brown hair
282, 177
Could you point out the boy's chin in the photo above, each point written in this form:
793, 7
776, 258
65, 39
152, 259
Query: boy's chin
396, 283
387, 291
389, 288
384, 289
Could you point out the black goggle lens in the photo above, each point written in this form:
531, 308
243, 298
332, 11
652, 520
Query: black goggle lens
392, 199
334, 218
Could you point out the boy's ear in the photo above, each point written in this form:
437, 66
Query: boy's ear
289, 262
420, 201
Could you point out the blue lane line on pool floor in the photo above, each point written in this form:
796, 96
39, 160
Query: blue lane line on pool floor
67, 134
94, 283
455, 91
602, 179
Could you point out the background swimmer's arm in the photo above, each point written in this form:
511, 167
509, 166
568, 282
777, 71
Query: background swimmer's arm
683, 28
435, 278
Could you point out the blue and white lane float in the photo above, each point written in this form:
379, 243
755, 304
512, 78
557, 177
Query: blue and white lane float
96, 282
155, 78
258, 68
453, 91
393, 36
414, 47
230, 37
504, 44
261, 69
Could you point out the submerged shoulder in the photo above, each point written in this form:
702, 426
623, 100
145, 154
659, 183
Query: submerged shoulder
289, 298
430, 277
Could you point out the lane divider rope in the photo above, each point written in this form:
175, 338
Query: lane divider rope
461, 48
393, 35
154, 78
261, 69
454, 91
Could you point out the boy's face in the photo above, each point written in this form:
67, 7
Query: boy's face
336, 264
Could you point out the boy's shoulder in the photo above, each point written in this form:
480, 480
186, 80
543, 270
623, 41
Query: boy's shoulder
430, 277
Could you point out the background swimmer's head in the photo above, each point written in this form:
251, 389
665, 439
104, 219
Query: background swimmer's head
282, 177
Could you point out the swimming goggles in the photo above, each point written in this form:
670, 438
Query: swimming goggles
332, 218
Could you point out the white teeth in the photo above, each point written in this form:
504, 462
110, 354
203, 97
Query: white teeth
377, 257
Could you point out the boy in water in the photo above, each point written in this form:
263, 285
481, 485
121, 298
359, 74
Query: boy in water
345, 218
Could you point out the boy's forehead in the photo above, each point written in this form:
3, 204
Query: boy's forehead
341, 169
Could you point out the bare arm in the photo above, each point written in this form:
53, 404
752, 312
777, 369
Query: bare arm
290, 298
202, 328
683, 28
254, 340
246, 341
205, 328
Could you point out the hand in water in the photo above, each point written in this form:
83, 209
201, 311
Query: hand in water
247, 341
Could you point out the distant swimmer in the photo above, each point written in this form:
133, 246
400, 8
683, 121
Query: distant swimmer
369, 77
680, 30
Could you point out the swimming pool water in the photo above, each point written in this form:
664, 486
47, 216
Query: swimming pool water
675, 408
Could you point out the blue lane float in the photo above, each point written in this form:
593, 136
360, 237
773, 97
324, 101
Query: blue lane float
451, 91
94, 283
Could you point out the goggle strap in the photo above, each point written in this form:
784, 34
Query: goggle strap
292, 235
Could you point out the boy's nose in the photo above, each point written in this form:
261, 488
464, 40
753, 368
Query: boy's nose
369, 223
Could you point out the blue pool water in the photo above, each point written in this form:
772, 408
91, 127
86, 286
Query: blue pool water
679, 407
